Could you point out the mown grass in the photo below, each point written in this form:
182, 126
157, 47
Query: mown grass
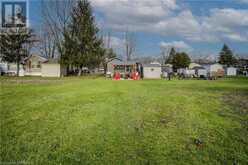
99, 121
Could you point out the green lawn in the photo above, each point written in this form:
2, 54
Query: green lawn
98, 121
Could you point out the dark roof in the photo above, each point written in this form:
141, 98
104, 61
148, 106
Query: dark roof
43, 58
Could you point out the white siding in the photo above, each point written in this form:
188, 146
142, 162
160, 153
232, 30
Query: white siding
152, 72
50, 70
32, 73
215, 67
202, 72
3, 67
12, 68
231, 71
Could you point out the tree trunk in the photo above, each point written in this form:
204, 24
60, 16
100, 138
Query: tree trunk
79, 71
105, 66
18, 68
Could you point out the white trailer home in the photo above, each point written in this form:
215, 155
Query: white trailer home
201, 72
231, 71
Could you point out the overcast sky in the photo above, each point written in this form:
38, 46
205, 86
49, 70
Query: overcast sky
195, 26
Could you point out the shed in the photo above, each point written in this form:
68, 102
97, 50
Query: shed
52, 68
152, 71
231, 71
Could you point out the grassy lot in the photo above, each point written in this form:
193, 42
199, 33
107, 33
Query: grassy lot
98, 121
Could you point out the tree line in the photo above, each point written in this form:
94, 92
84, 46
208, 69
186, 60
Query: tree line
182, 59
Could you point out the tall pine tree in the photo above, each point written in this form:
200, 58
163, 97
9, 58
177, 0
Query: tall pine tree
226, 56
83, 37
13, 46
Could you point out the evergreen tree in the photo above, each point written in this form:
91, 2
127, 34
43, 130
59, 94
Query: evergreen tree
13, 46
181, 60
226, 56
87, 46
172, 54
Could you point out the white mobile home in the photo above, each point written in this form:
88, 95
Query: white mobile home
201, 72
231, 71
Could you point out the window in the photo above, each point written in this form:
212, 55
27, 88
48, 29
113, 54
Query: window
13, 14
39, 65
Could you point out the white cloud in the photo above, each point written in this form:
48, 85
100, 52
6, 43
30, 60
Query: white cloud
228, 17
244, 1
136, 8
181, 45
134, 12
184, 24
236, 37
163, 17
115, 43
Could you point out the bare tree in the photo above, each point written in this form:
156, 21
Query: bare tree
130, 45
109, 53
165, 51
47, 44
56, 16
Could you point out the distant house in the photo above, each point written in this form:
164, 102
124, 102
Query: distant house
166, 70
52, 68
215, 70
11, 68
231, 71
152, 71
33, 65
36, 65
186, 72
200, 71
3, 67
